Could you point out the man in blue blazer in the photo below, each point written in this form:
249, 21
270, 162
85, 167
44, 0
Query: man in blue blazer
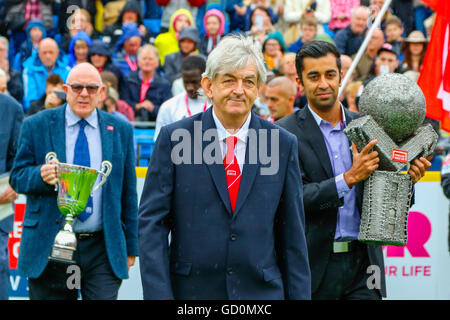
236, 218
107, 234
12, 117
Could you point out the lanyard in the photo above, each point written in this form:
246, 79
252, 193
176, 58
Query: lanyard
187, 105
131, 64
144, 88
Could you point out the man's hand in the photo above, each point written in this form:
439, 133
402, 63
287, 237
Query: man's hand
48, 172
364, 163
142, 29
147, 105
52, 101
418, 168
8, 196
130, 261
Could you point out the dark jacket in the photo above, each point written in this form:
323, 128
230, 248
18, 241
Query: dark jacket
172, 64
101, 48
243, 23
115, 31
321, 199
15, 17
258, 251
158, 93
347, 42
15, 85
37, 105
12, 117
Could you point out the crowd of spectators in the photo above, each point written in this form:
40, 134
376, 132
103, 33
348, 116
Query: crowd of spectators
139, 46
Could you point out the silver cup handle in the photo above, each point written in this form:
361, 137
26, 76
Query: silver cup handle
105, 171
50, 157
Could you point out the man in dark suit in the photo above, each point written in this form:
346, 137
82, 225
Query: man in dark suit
12, 117
106, 231
332, 179
231, 238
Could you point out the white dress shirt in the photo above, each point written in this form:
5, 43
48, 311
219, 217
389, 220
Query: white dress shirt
241, 135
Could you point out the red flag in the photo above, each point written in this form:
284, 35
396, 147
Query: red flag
434, 79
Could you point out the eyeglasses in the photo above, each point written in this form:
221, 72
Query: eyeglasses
91, 88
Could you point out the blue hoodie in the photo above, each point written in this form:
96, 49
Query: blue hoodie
26, 48
129, 30
81, 35
35, 75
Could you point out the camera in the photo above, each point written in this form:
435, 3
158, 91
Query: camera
61, 94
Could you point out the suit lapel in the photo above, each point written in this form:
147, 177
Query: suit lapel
107, 136
58, 133
216, 170
312, 132
249, 171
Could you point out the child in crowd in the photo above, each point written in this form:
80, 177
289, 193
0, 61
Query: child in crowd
188, 43
79, 48
393, 31
167, 42
351, 92
35, 32
308, 30
214, 22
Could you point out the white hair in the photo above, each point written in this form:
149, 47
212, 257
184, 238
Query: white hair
360, 7
233, 52
147, 48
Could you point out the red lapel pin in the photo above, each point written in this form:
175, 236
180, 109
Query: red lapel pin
110, 128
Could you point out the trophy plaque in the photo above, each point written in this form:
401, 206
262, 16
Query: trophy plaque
75, 185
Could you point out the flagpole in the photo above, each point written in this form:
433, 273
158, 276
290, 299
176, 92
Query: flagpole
363, 47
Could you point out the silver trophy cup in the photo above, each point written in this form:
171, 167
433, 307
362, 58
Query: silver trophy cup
75, 185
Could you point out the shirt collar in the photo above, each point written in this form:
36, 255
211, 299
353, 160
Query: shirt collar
223, 133
72, 119
318, 119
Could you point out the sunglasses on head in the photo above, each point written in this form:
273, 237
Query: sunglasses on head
91, 88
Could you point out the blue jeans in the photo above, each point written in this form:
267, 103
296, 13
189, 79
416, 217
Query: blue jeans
4, 266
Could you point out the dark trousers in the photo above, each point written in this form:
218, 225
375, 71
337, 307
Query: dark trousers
346, 277
98, 281
4, 265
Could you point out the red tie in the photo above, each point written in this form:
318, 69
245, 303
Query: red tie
232, 171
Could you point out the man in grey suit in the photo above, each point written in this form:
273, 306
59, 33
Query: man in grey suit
12, 117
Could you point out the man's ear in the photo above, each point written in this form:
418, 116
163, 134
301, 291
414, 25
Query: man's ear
206, 86
299, 82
